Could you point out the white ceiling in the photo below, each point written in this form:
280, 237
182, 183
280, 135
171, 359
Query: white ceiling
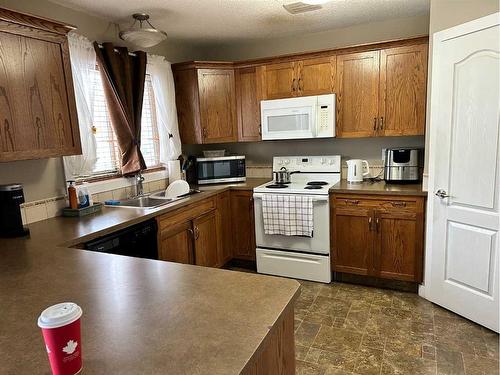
233, 20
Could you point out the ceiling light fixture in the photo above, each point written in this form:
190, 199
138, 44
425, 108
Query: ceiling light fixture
141, 35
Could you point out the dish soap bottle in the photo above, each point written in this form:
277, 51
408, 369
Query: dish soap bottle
72, 198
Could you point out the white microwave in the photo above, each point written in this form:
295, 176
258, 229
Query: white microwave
298, 118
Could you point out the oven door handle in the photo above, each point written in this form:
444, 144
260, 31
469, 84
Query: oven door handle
314, 199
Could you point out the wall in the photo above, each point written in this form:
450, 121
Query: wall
357, 34
367, 148
45, 178
443, 15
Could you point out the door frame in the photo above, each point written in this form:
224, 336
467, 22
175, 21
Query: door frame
439, 37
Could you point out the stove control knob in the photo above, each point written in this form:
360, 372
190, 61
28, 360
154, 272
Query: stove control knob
332, 161
323, 161
286, 161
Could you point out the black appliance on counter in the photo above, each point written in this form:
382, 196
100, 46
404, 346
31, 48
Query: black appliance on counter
403, 165
11, 222
136, 241
216, 170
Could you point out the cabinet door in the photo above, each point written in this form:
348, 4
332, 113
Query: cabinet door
403, 82
175, 244
317, 76
224, 230
205, 243
352, 240
357, 94
248, 105
217, 105
278, 80
187, 103
243, 226
37, 107
398, 249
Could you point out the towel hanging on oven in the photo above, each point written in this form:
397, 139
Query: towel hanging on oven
287, 214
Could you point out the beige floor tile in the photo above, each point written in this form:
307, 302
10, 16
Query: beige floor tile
475, 365
449, 363
306, 333
336, 339
306, 368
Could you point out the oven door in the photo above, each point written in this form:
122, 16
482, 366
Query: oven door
220, 170
319, 243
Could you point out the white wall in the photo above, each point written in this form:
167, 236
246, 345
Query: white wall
45, 178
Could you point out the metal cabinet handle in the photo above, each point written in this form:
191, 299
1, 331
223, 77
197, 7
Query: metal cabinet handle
196, 233
377, 222
204, 132
300, 84
374, 123
381, 123
191, 233
352, 201
398, 204
370, 223
293, 85
442, 194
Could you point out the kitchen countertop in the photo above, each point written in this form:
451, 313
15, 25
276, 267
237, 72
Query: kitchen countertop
379, 187
140, 315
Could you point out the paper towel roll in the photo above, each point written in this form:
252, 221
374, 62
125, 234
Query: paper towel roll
174, 170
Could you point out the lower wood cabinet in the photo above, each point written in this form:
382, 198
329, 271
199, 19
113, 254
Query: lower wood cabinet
224, 228
188, 235
243, 226
379, 236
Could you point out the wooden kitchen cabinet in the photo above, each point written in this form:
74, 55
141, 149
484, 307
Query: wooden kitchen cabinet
315, 76
379, 236
188, 235
37, 101
382, 93
403, 85
175, 244
206, 103
357, 94
224, 228
248, 105
243, 224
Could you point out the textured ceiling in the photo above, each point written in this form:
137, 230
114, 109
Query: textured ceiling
233, 20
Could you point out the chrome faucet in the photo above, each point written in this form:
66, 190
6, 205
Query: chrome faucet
139, 189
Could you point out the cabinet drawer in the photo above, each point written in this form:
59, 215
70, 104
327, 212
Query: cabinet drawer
186, 213
381, 204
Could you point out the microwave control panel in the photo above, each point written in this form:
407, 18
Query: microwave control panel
325, 112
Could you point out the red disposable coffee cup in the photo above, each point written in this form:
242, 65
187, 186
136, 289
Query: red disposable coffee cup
60, 326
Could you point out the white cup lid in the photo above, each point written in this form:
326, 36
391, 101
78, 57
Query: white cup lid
59, 315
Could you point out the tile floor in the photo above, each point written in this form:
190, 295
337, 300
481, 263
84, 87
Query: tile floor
348, 329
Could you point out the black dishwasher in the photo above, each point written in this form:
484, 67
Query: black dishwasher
135, 241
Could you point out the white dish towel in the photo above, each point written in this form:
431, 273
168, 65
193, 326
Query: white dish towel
288, 215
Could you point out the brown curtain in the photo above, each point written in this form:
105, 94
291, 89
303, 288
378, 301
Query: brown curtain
123, 78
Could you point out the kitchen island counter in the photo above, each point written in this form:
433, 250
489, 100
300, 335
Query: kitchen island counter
143, 316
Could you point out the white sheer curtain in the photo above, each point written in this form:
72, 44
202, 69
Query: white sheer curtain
83, 62
162, 80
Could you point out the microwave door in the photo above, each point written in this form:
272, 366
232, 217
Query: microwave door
288, 123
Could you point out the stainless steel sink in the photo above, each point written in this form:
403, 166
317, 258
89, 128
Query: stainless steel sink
143, 202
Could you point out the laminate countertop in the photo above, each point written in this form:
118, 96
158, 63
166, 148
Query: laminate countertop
140, 316
378, 188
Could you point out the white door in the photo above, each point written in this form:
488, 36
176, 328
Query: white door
463, 206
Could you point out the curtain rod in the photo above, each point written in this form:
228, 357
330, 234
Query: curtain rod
114, 49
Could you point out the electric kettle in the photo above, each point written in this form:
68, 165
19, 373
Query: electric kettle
355, 170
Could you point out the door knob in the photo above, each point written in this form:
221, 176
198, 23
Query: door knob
442, 194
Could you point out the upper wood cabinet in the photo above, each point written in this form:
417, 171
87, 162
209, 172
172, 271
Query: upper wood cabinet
37, 104
297, 78
357, 94
206, 104
248, 105
382, 93
403, 85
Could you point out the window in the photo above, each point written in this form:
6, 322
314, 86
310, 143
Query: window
108, 153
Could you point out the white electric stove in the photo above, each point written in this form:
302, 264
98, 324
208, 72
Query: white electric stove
299, 257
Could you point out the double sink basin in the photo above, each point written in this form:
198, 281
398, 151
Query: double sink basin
150, 201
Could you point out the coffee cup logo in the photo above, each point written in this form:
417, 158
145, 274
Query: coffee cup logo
70, 347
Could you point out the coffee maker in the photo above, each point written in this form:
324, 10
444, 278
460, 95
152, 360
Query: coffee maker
11, 222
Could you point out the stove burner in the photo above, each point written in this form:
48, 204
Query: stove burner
276, 186
317, 183
313, 187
